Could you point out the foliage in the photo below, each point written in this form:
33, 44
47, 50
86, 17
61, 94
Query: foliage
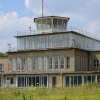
3, 54
88, 92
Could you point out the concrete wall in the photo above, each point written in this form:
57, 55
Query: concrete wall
45, 53
4, 60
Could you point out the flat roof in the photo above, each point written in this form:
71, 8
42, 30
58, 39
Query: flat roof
51, 16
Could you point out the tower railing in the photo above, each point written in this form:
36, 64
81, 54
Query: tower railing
69, 28
80, 31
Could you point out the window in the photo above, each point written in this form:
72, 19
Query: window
39, 63
29, 63
56, 62
96, 64
45, 62
23, 63
68, 62
61, 62
26, 81
50, 62
13, 64
1, 67
18, 63
34, 63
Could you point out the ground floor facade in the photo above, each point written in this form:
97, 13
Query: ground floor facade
48, 81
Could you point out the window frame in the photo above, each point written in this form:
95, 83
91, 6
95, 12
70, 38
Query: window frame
61, 62
1, 67
14, 64
50, 63
67, 62
56, 62
96, 63
33, 63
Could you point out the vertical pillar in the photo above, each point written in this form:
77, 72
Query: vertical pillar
61, 79
82, 80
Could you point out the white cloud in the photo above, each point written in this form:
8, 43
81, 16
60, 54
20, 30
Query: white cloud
10, 23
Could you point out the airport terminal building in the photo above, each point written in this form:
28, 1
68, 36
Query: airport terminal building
53, 55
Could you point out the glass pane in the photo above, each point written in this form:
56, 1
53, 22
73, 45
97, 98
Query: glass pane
45, 62
29, 63
37, 81
60, 23
39, 24
79, 80
49, 23
39, 63
13, 64
98, 79
50, 62
30, 81
34, 82
67, 81
45, 81
75, 80
55, 21
56, 62
71, 80
34, 63
18, 63
23, 82
19, 81
61, 62
23, 63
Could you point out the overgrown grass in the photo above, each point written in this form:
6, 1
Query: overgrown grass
88, 92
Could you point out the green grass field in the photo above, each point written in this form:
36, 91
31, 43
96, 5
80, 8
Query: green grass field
74, 93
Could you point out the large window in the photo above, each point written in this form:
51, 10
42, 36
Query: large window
18, 63
29, 63
62, 62
45, 62
68, 62
96, 64
56, 62
33, 63
1, 67
50, 62
23, 63
14, 64
36, 81
39, 63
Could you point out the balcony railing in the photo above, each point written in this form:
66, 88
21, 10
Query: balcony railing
27, 32
69, 28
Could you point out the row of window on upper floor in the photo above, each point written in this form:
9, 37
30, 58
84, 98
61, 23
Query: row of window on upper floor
42, 63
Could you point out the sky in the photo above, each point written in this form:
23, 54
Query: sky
18, 15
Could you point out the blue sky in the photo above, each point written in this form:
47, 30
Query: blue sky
17, 15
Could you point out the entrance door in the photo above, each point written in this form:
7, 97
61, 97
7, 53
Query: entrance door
9, 81
53, 81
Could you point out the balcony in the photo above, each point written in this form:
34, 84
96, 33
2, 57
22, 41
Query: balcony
69, 28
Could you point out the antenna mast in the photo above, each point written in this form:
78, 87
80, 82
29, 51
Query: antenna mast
42, 8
